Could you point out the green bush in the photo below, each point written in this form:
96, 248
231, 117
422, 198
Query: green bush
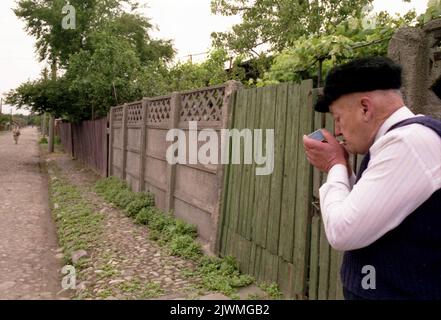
139, 201
222, 274
185, 246
143, 217
110, 187
123, 198
184, 228
160, 221
43, 140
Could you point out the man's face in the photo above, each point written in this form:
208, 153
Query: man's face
350, 122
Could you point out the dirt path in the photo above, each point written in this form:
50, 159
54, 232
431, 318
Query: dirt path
28, 243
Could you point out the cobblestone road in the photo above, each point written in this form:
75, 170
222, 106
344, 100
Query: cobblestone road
29, 268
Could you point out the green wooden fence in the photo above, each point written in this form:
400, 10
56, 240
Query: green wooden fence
272, 224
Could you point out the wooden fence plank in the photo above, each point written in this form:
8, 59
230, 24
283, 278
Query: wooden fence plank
333, 275
324, 264
240, 113
339, 293
284, 278
258, 272
255, 112
252, 262
228, 192
277, 187
290, 176
245, 255
304, 197
245, 169
267, 122
314, 258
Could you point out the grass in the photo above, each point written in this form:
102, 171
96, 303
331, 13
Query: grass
177, 236
143, 290
78, 225
272, 290
221, 274
44, 140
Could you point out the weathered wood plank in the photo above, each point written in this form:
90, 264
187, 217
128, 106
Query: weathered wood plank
264, 185
324, 265
258, 272
339, 293
290, 182
333, 275
252, 262
304, 197
314, 258
255, 112
277, 187
284, 278
245, 255
245, 169
228, 192
240, 113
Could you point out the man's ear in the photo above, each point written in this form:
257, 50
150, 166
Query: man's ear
366, 107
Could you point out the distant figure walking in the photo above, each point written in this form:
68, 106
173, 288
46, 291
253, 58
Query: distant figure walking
16, 133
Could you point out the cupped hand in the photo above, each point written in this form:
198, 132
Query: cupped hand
325, 155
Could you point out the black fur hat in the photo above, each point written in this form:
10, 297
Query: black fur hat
359, 75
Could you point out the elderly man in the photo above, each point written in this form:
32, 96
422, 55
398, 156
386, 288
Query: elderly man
388, 217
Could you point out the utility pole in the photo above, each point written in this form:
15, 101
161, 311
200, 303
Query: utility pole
1, 105
43, 125
52, 119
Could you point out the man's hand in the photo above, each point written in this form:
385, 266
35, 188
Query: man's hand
325, 155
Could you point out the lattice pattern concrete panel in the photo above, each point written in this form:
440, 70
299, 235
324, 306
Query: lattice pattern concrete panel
159, 111
134, 114
203, 105
118, 114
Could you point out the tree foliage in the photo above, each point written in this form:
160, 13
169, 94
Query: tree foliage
106, 60
279, 23
355, 37
215, 70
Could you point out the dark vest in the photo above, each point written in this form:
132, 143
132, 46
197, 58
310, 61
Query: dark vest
407, 259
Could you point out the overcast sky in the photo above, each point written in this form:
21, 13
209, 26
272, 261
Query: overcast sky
188, 23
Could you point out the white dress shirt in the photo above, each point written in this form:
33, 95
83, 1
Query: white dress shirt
403, 172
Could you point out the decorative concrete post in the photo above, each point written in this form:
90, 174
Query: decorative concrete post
175, 105
143, 145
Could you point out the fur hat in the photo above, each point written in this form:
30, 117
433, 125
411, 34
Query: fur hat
359, 75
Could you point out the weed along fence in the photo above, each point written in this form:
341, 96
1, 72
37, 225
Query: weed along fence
138, 150
272, 223
87, 142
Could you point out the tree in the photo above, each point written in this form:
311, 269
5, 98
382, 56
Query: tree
279, 23
213, 71
106, 59
107, 75
433, 11
44, 18
350, 39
